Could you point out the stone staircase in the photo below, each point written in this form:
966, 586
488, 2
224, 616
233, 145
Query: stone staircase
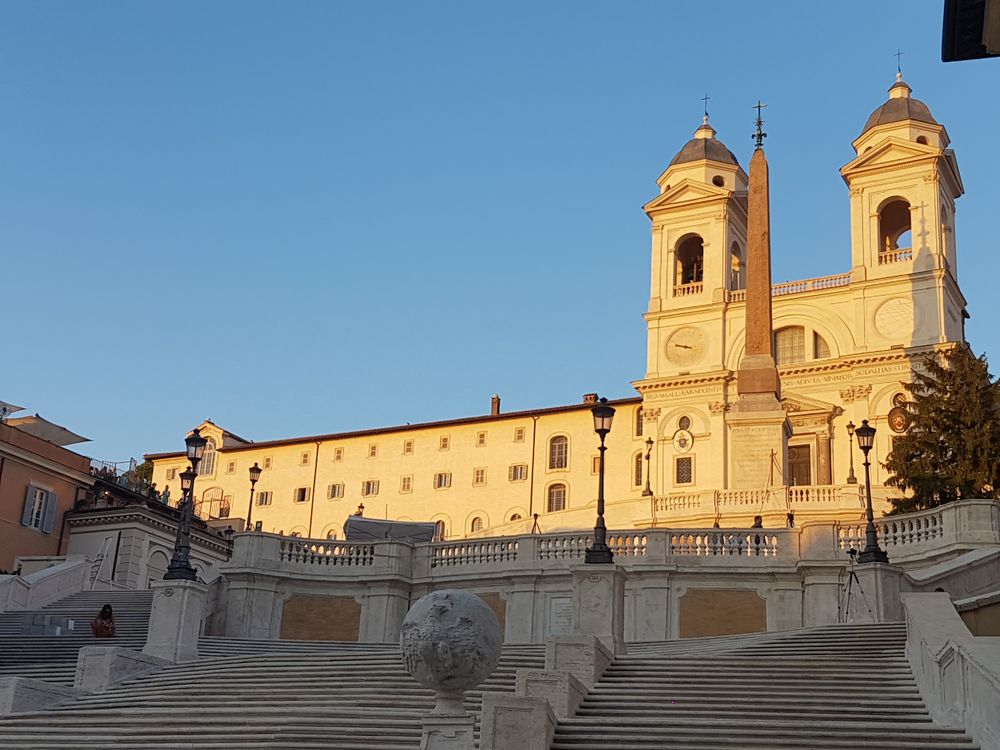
276, 695
839, 687
53, 657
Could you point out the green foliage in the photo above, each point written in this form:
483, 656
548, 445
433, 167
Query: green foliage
144, 471
952, 447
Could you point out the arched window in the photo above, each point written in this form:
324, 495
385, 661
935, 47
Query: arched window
476, 525
515, 516
439, 531
296, 534
207, 465
559, 452
210, 504
690, 260
331, 535
821, 349
638, 422
737, 270
894, 227
789, 345
557, 498
637, 470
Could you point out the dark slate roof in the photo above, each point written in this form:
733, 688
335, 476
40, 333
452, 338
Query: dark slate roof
896, 110
704, 148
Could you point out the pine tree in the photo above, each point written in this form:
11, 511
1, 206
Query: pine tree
951, 449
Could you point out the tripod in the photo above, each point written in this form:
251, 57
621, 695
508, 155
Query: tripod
844, 601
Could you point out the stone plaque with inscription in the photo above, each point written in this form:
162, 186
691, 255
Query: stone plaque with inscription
753, 442
560, 615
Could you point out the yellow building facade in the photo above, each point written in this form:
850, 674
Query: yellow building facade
844, 343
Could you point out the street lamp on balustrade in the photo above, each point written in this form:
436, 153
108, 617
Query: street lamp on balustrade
599, 553
180, 563
871, 552
255, 471
851, 479
649, 451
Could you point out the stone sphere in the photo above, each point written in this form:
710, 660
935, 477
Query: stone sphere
450, 641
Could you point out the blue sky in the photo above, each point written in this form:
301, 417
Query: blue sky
307, 217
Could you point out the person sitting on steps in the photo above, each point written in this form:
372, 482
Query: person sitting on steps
104, 625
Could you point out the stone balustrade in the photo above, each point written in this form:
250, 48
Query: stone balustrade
683, 290
944, 529
712, 503
895, 256
797, 287
315, 552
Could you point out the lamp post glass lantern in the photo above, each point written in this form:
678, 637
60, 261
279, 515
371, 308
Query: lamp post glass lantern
599, 553
255, 471
180, 562
871, 552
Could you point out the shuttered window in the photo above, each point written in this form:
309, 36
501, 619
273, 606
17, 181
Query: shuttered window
39, 509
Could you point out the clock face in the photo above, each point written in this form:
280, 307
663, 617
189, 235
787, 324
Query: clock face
686, 345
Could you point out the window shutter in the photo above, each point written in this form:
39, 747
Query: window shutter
26, 513
49, 517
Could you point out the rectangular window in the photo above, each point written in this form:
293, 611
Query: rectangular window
406, 483
638, 422
171, 473
684, 470
442, 480
407, 447
559, 452
338, 455
518, 434
230, 467
480, 439
267, 463
478, 477
304, 458
301, 494
34, 508
335, 491
264, 497
369, 487
444, 443
637, 470
595, 465
518, 472
372, 450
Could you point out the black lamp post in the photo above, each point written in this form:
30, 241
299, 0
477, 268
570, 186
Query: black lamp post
599, 553
649, 450
851, 479
254, 476
180, 563
871, 552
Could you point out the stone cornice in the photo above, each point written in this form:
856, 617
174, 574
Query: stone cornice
139, 514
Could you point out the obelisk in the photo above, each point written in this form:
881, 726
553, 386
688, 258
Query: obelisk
758, 426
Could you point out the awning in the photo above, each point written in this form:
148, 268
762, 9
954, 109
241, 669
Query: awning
46, 430
359, 529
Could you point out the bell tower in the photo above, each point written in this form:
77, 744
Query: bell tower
698, 255
903, 185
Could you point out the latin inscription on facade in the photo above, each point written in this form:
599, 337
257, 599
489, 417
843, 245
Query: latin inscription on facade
560, 615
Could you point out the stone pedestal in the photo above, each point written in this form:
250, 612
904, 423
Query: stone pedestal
448, 733
515, 723
755, 435
562, 690
881, 585
21, 695
175, 620
99, 667
599, 604
583, 656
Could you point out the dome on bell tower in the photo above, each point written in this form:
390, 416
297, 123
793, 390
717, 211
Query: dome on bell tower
900, 106
706, 146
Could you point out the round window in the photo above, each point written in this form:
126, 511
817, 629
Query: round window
684, 423
899, 399
718, 181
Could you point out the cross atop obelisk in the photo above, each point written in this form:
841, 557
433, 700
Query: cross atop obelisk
758, 426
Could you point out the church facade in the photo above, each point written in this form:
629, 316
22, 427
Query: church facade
844, 345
